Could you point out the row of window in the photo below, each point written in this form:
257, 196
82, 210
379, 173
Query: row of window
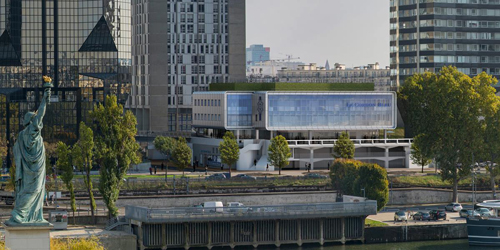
467, 71
207, 103
447, 23
446, 11
207, 117
410, 2
448, 35
448, 59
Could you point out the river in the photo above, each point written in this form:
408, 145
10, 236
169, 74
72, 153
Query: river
418, 245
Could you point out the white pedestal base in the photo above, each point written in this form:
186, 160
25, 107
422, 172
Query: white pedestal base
27, 237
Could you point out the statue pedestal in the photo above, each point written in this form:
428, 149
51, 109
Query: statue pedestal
28, 237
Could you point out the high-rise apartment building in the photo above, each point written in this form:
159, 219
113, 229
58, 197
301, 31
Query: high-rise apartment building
85, 46
429, 34
257, 53
180, 47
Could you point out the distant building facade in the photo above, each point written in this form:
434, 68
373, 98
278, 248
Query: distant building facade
312, 73
180, 47
268, 71
426, 35
257, 53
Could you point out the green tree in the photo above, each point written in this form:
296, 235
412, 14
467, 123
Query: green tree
445, 109
65, 166
491, 146
82, 154
50, 153
373, 180
166, 146
417, 156
182, 154
115, 148
344, 147
343, 173
3, 150
11, 184
279, 152
229, 149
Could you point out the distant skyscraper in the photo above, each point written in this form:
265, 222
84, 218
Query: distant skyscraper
180, 47
257, 53
429, 34
327, 65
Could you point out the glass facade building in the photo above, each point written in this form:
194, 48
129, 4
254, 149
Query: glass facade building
257, 53
330, 111
84, 45
239, 110
429, 34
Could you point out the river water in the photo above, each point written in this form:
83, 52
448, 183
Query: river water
419, 245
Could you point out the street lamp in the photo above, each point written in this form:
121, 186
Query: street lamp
363, 189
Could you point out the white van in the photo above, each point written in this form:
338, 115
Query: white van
213, 206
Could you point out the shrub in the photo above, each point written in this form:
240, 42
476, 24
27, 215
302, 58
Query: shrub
92, 243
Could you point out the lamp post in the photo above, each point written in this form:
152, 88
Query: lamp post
364, 195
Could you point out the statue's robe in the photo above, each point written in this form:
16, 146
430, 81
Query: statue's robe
29, 154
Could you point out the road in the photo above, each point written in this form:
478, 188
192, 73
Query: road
387, 215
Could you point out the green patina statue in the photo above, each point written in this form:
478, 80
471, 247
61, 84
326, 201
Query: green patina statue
29, 155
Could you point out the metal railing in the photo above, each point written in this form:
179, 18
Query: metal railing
186, 214
404, 141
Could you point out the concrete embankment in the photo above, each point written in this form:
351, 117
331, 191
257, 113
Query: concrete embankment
415, 233
405, 196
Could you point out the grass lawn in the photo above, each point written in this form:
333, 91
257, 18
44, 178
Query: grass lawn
482, 180
374, 223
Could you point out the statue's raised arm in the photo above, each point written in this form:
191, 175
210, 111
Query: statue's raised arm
43, 105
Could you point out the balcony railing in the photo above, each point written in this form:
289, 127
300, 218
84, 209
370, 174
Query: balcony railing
405, 141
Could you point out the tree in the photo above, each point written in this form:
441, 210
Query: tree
417, 156
343, 174
229, 149
279, 152
490, 148
65, 165
50, 156
445, 109
3, 150
11, 184
182, 154
344, 147
373, 180
83, 152
166, 146
115, 148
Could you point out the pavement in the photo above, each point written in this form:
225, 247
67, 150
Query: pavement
387, 215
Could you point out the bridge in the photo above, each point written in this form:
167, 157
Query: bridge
249, 226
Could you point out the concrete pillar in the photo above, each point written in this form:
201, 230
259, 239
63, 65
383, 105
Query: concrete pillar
363, 231
299, 233
163, 236
255, 242
186, 236
342, 220
310, 134
140, 237
231, 236
209, 245
386, 158
277, 233
311, 158
237, 134
321, 235
256, 134
407, 156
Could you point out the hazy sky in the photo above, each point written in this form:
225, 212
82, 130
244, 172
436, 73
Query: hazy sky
353, 32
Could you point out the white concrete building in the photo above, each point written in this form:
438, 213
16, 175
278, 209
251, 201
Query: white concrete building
310, 121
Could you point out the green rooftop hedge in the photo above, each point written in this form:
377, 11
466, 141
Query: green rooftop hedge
284, 86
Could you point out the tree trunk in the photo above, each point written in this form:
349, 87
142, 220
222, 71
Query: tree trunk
422, 168
90, 197
455, 190
493, 189
279, 170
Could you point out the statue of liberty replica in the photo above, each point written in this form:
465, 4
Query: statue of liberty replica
29, 155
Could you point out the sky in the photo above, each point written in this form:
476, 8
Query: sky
352, 32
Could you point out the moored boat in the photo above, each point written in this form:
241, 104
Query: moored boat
485, 230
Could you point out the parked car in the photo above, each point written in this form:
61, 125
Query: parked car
236, 207
464, 213
244, 177
400, 216
438, 214
454, 207
215, 177
315, 176
483, 212
213, 206
422, 216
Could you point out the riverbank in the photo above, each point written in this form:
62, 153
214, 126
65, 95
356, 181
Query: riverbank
408, 233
